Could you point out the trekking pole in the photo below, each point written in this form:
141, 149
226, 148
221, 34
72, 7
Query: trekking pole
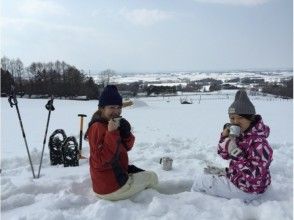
81, 135
13, 101
49, 106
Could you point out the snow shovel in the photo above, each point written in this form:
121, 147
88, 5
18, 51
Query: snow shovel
81, 136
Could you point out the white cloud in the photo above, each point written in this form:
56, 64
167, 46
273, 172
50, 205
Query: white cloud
33, 7
235, 2
22, 24
145, 17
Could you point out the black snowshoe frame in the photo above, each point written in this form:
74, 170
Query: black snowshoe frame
63, 150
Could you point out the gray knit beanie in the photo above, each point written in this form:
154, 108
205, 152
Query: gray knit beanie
242, 105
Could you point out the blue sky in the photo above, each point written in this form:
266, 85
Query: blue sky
150, 35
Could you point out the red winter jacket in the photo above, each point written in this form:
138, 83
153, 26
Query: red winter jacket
103, 147
250, 170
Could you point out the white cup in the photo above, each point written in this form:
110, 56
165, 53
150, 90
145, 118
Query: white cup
117, 121
234, 131
166, 162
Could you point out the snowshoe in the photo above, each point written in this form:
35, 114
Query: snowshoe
56, 141
70, 152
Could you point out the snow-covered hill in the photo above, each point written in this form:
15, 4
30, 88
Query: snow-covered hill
181, 77
163, 127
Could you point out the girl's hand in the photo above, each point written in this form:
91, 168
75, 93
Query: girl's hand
112, 125
226, 130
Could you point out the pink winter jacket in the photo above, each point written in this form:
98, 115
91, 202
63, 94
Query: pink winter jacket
250, 170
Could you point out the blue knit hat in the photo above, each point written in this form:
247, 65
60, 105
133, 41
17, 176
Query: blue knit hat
110, 96
242, 105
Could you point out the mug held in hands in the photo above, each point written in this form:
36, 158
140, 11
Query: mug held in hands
234, 131
117, 121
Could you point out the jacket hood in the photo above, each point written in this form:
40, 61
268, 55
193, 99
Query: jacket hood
258, 128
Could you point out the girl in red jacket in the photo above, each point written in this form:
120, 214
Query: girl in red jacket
244, 143
110, 139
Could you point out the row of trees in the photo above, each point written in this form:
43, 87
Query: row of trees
44, 79
284, 90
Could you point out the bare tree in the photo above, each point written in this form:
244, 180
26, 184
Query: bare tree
36, 68
5, 63
105, 76
19, 71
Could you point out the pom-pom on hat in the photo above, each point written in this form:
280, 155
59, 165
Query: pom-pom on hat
242, 105
110, 96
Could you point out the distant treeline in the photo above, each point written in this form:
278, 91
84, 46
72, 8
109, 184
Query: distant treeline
44, 79
284, 90
64, 80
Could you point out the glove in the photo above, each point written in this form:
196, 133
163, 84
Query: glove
124, 128
233, 149
215, 170
226, 130
227, 126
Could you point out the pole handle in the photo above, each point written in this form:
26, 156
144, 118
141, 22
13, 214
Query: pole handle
49, 106
12, 97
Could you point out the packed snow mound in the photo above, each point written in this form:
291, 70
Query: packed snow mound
139, 103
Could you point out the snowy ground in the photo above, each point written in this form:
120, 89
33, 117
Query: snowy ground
163, 127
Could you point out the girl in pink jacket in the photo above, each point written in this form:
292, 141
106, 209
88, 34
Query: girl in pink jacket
243, 142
